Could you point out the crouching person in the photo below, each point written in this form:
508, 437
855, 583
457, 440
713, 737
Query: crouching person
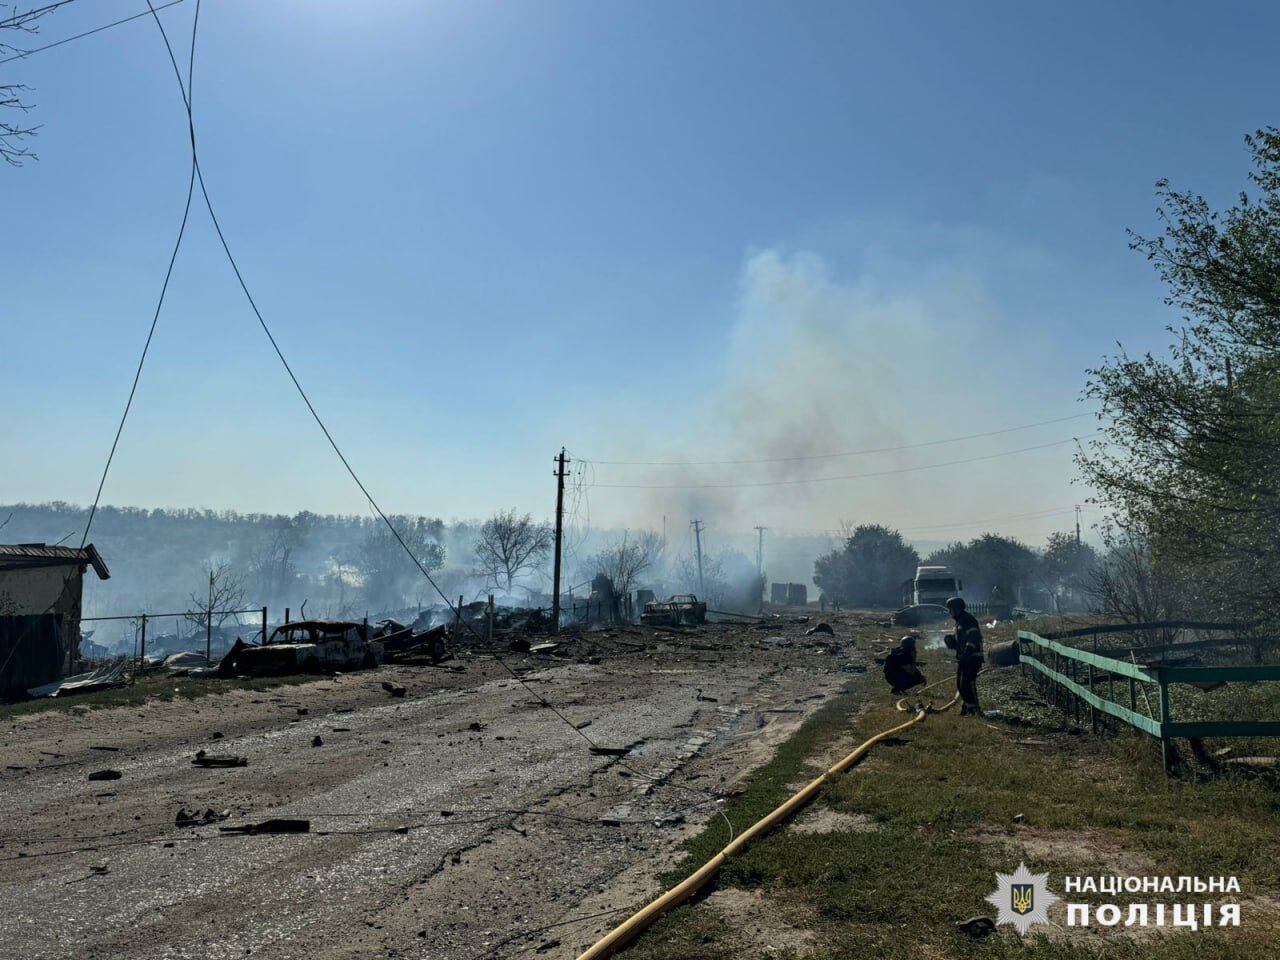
901, 669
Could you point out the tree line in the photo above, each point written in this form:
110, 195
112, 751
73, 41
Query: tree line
872, 564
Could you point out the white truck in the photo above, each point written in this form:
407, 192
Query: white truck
931, 585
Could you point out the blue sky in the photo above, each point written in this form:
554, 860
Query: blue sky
641, 230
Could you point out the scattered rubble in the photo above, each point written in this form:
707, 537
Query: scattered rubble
274, 825
203, 759
191, 818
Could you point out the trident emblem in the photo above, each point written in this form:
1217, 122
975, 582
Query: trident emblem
1022, 896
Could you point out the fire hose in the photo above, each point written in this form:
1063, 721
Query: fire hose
640, 921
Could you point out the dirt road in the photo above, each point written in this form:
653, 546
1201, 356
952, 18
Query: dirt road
465, 820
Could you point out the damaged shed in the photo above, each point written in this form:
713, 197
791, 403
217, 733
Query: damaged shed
40, 595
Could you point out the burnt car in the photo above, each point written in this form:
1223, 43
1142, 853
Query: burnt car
683, 608
306, 646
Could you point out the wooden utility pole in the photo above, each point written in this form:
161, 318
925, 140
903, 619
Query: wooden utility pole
760, 562
697, 536
208, 623
561, 460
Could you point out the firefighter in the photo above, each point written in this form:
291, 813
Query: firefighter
900, 667
967, 643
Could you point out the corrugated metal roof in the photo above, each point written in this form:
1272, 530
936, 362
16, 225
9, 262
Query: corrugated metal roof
41, 552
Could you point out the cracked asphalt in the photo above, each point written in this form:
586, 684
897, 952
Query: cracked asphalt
465, 820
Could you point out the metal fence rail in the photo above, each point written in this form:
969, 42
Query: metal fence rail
1087, 675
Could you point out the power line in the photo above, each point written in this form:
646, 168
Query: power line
164, 287
845, 453
137, 375
849, 476
325, 430
26, 15
88, 33
1038, 515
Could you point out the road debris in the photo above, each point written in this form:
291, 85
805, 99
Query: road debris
192, 818
106, 775
274, 825
203, 759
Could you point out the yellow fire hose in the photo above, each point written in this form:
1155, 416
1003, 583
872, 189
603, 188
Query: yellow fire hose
637, 923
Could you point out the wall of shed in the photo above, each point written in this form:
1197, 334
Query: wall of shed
50, 592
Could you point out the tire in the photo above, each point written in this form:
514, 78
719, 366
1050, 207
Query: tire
311, 665
437, 648
369, 662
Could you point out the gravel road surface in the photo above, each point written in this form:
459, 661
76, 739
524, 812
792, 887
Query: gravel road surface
465, 820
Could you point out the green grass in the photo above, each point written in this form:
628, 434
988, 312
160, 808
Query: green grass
897, 890
154, 687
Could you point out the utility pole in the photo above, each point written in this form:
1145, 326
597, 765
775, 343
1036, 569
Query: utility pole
760, 563
208, 622
697, 533
555, 577
1077, 525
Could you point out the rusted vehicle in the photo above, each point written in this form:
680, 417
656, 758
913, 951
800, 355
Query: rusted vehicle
683, 608
306, 646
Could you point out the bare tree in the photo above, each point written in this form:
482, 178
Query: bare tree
1134, 582
622, 564
272, 569
510, 546
224, 596
13, 148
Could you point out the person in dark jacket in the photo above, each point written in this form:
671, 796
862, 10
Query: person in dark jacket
967, 643
900, 666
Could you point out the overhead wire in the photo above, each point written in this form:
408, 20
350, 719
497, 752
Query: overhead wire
27, 15
329, 436
137, 374
88, 33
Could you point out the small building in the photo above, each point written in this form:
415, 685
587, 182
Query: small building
789, 595
40, 608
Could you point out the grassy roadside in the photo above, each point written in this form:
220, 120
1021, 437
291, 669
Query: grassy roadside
919, 830
154, 687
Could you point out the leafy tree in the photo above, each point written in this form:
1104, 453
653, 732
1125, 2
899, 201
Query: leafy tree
1068, 568
869, 569
990, 561
1190, 449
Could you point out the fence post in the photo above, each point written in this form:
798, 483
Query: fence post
1166, 756
457, 622
491, 618
208, 635
264, 624
142, 649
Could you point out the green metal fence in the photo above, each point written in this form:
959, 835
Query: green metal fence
1087, 676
